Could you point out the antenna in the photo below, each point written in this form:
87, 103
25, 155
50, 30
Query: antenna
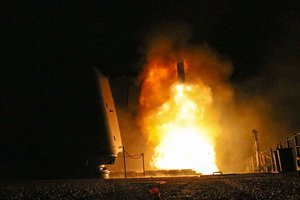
257, 151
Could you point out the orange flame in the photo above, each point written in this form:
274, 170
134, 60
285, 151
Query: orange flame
174, 116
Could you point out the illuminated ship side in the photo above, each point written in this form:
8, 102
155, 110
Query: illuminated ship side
109, 144
104, 145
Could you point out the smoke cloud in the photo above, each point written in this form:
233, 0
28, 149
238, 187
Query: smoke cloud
234, 110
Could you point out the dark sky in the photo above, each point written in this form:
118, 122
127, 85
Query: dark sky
47, 50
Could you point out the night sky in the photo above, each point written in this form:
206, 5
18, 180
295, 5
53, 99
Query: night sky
48, 50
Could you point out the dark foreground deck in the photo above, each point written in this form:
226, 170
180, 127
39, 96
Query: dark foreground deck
245, 186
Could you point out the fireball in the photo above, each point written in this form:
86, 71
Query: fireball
175, 117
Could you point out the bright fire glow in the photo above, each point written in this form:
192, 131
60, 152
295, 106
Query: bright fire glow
177, 124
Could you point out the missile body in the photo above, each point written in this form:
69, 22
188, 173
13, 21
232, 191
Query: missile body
180, 72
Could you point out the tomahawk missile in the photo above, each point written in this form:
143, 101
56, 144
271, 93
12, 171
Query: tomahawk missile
180, 71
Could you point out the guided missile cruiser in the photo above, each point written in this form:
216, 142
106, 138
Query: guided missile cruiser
80, 132
180, 72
